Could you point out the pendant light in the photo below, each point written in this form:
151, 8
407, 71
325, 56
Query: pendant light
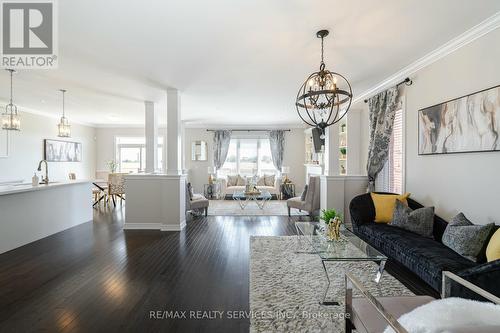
10, 118
325, 97
64, 126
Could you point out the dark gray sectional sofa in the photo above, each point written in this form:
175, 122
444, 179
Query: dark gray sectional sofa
425, 257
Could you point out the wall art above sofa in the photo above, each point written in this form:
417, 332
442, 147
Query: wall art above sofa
466, 124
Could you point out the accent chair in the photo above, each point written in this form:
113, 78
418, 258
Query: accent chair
311, 204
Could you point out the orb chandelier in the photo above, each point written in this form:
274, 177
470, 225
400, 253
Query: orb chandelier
325, 97
10, 118
64, 127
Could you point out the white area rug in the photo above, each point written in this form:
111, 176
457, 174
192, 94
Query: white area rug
286, 287
231, 207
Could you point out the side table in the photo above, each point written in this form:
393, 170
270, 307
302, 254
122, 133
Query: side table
287, 191
211, 191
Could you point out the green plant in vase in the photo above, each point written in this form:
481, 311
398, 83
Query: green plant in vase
343, 151
333, 220
112, 165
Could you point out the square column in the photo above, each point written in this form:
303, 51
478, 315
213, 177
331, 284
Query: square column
332, 185
174, 132
151, 137
332, 167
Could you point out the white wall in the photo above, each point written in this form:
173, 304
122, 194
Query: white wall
106, 143
293, 157
26, 150
456, 182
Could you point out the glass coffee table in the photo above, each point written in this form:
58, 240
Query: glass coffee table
348, 248
260, 198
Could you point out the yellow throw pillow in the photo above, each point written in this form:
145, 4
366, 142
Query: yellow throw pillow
493, 249
384, 205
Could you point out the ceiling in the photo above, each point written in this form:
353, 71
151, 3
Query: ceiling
233, 62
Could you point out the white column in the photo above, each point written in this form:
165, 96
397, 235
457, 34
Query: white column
159, 201
151, 137
174, 132
332, 185
332, 151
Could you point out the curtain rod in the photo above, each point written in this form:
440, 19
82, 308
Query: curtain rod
407, 81
248, 130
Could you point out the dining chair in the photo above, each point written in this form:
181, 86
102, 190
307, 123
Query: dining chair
116, 186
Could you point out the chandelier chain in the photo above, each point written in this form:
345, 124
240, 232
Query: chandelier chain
322, 50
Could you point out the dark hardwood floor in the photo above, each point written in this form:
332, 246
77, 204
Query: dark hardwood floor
97, 278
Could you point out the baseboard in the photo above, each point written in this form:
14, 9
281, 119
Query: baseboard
154, 226
173, 227
142, 226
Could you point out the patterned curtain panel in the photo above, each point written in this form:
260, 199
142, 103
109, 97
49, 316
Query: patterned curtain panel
222, 139
382, 110
277, 141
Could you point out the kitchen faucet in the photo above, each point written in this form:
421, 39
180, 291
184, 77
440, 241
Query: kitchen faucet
46, 179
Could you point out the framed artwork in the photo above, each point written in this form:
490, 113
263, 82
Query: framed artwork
4, 144
62, 151
462, 125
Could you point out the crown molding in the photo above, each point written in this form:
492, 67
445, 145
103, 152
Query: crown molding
242, 127
477, 31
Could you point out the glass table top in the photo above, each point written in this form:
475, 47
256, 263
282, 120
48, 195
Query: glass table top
243, 195
348, 248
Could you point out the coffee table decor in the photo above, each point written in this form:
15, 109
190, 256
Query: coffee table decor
349, 248
332, 220
245, 197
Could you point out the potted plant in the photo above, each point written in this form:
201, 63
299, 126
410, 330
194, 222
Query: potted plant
112, 166
343, 151
333, 220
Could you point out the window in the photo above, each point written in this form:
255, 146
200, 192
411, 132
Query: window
390, 179
131, 154
248, 156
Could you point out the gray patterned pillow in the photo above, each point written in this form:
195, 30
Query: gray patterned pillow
419, 221
465, 238
269, 179
232, 180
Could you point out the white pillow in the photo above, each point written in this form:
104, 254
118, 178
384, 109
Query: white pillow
451, 315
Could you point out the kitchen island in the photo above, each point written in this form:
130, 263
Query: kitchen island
29, 213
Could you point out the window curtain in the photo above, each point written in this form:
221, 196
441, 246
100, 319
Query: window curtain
382, 109
277, 141
222, 139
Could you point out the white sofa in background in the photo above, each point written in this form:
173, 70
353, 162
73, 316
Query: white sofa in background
230, 190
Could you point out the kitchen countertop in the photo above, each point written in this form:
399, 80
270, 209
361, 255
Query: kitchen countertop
28, 187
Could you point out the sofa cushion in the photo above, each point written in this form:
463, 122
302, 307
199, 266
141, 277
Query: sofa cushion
467, 239
269, 180
232, 180
493, 249
419, 221
241, 181
424, 256
261, 181
265, 188
384, 205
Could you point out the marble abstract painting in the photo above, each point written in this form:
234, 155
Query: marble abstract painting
466, 124
63, 151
